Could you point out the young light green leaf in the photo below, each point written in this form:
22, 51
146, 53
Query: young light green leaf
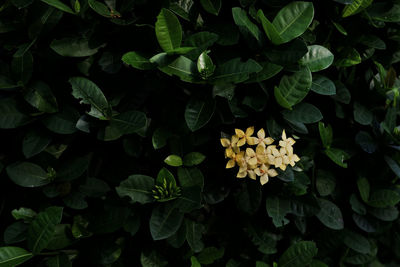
173, 160
42, 228
355, 7
138, 188
91, 94
317, 58
168, 30
13, 256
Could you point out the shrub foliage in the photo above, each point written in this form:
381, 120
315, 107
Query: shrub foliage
111, 114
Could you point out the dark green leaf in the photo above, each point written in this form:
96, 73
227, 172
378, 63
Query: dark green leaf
198, 113
323, 86
165, 221
330, 215
168, 30
299, 254
138, 188
27, 174
13, 256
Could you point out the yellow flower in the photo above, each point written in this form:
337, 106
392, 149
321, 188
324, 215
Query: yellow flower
277, 157
293, 158
246, 171
261, 140
236, 158
287, 143
245, 137
265, 172
230, 145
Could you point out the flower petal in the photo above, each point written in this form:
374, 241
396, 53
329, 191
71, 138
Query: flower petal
289, 150
252, 161
275, 152
283, 167
283, 135
278, 162
257, 171
250, 131
291, 141
239, 133
260, 150
251, 174
272, 172
250, 152
295, 158
231, 163
229, 153
251, 141
268, 141
225, 142
264, 179
261, 133
241, 174
234, 139
241, 142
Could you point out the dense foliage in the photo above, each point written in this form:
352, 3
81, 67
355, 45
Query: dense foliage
112, 114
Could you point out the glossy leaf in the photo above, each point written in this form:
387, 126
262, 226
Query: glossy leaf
318, 58
198, 113
168, 30
299, 254
211, 6
27, 174
74, 47
164, 221
13, 256
137, 188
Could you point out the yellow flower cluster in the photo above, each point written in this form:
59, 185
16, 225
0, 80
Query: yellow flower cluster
259, 162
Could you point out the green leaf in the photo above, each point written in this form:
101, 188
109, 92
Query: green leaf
173, 160
129, 122
294, 88
385, 214
168, 30
270, 29
22, 67
277, 209
355, 7
323, 86
165, 220
326, 134
138, 187
40, 96
304, 113
91, 94
268, 71
194, 262
338, 156
393, 165
357, 206
245, 25
102, 9
137, 60
182, 67
356, 242
362, 115
330, 215
42, 228
198, 113
13, 256
298, 254
165, 174
160, 138
23, 213
293, 20
59, 5
193, 158
63, 122
235, 71
10, 115
15, 233
205, 66
363, 188
190, 177
347, 58
317, 58
340, 28
27, 174
384, 198
34, 142
75, 47
194, 233
325, 183
210, 254
211, 6
61, 260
